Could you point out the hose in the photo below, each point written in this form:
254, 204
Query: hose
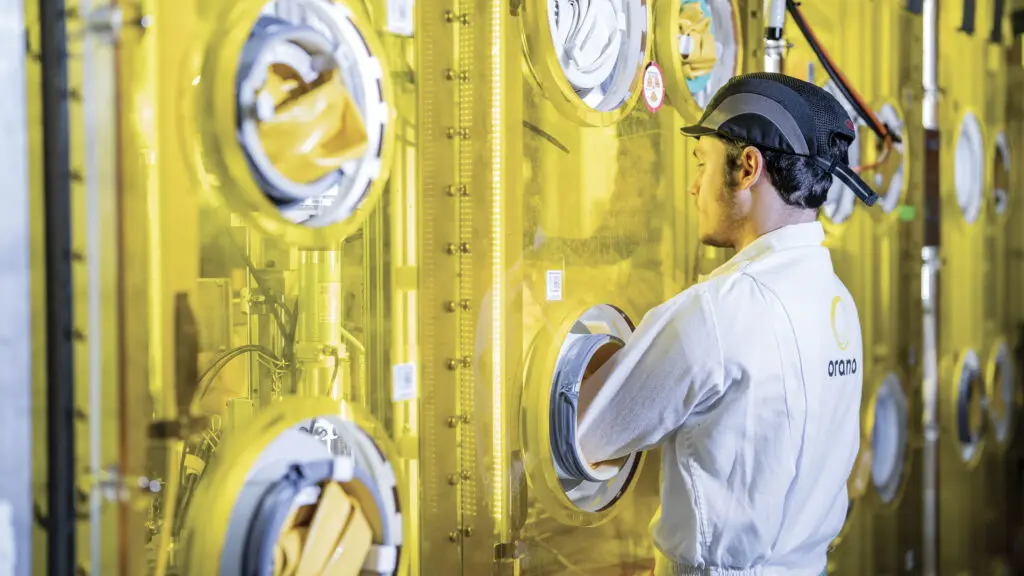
570, 374
851, 95
206, 380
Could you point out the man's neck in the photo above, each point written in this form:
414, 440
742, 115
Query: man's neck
757, 227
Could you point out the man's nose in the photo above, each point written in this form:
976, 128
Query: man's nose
694, 187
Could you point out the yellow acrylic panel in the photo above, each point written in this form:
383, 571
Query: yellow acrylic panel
543, 212
896, 531
968, 123
999, 369
92, 154
263, 302
34, 110
1015, 279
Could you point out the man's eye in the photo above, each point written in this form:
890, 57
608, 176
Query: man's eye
700, 164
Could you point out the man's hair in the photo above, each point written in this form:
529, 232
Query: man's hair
800, 182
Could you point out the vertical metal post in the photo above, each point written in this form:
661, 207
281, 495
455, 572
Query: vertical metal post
930, 284
60, 329
15, 303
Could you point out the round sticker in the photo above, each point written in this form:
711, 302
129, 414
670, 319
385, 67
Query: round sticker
654, 87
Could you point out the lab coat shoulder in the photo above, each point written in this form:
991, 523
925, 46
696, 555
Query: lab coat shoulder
743, 309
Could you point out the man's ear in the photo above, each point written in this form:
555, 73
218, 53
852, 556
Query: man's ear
751, 167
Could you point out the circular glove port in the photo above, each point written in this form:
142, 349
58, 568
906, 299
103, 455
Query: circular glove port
969, 172
838, 207
1001, 175
700, 45
889, 180
561, 357
317, 497
889, 438
588, 55
312, 113
592, 341
970, 399
999, 379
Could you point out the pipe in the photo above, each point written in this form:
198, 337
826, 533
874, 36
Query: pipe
775, 20
60, 357
929, 68
929, 391
930, 264
319, 323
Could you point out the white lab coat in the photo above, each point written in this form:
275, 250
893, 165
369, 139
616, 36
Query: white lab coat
750, 381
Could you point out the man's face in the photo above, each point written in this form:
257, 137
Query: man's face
714, 186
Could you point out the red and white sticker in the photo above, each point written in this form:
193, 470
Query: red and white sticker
654, 87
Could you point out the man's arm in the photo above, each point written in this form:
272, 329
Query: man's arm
670, 366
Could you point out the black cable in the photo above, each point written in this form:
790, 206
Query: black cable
60, 361
275, 301
837, 78
206, 380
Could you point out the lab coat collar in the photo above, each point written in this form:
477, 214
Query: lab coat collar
790, 236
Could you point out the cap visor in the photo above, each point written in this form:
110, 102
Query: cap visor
851, 180
697, 130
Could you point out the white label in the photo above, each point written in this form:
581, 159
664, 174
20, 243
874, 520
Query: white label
654, 87
330, 302
554, 285
403, 382
7, 547
400, 16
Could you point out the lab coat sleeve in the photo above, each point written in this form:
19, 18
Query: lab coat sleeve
671, 366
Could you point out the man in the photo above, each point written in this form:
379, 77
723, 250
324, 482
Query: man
749, 381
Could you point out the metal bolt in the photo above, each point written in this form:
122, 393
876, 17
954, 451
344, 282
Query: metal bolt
449, 16
453, 421
467, 362
450, 133
464, 133
452, 364
463, 189
106, 21
449, 74
453, 537
464, 75
464, 19
453, 479
465, 418
449, 306
464, 248
450, 248
450, 190
465, 474
467, 531
464, 305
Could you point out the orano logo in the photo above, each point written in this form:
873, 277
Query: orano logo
841, 332
840, 329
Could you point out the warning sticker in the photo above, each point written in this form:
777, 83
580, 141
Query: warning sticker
654, 87
403, 382
554, 285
